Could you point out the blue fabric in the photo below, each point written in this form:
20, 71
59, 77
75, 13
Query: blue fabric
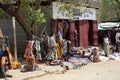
66, 24
1, 53
3, 69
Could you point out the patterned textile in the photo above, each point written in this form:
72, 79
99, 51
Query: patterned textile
37, 50
75, 61
28, 51
2, 65
68, 65
52, 48
45, 45
84, 61
64, 48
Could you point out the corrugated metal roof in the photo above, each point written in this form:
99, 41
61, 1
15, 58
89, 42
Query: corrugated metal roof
109, 24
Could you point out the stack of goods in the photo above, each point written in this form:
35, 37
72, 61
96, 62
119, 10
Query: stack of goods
74, 63
68, 65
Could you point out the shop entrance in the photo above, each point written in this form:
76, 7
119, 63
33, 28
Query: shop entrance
82, 33
90, 33
77, 33
63, 26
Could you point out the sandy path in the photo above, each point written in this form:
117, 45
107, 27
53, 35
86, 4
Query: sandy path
106, 70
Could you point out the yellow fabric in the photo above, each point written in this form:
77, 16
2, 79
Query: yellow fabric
1, 34
15, 65
3, 61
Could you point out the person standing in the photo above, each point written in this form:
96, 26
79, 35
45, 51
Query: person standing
106, 45
66, 29
76, 37
118, 41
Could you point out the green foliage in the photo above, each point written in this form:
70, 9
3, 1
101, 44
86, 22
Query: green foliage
50, 11
39, 18
110, 10
35, 15
31, 13
27, 1
65, 7
1, 13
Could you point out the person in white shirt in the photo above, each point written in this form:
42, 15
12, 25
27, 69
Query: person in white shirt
106, 45
117, 36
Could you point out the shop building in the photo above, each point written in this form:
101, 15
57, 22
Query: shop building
83, 30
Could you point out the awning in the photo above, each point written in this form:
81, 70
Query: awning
101, 28
109, 24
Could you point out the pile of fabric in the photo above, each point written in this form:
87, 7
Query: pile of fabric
114, 56
74, 63
102, 56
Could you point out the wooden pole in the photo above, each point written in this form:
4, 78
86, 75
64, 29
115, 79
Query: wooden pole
14, 32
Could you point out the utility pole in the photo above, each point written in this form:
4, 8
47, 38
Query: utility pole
14, 33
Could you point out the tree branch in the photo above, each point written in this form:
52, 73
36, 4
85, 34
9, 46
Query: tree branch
14, 10
18, 4
10, 9
7, 9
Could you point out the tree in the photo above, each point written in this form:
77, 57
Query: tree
110, 10
27, 13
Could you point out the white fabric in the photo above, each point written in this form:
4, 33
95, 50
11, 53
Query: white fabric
103, 58
106, 40
117, 37
115, 56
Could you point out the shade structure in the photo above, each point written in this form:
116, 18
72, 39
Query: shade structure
101, 28
109, 24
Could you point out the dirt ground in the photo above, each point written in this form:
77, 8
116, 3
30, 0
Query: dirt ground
105, 70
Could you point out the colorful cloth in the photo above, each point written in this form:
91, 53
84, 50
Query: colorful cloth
37, 50
68, 65
64, 48
29, 51
45, 45
52, 48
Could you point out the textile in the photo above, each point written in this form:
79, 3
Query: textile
52, 48
29, 51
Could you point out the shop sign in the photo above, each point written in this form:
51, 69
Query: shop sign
59, 14
78, 13
88, 14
